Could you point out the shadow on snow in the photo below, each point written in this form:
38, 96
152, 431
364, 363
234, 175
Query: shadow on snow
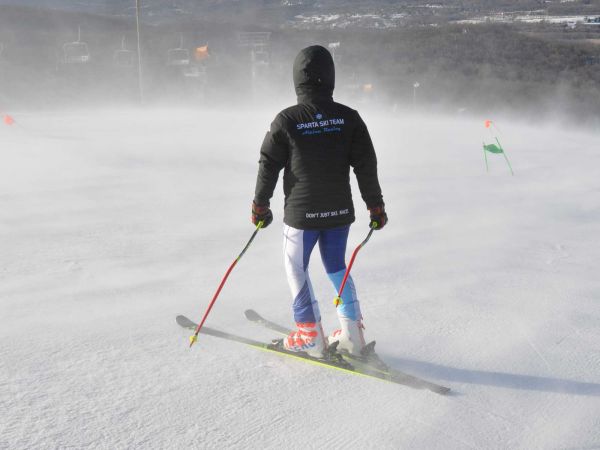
499, 379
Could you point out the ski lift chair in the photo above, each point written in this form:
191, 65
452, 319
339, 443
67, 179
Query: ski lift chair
178, 57
123, 57
76, 53
260, 57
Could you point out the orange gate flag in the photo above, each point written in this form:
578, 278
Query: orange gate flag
201, 53
8, 120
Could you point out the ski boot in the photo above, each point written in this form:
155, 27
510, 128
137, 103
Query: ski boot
351, 340
350, 337
308, 338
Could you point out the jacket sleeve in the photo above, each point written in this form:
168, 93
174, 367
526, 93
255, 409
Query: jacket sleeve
273, 157
364, 162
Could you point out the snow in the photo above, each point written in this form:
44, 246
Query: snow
114, 222
530, 17
347, 20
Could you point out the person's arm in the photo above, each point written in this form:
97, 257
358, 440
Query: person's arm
364, 162
273, 158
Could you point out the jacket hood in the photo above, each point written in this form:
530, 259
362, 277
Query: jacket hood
314, 74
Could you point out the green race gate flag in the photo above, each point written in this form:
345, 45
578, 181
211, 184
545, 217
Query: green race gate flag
495, 149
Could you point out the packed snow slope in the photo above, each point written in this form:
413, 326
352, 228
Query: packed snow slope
114, 222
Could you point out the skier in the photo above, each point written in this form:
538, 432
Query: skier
316, 142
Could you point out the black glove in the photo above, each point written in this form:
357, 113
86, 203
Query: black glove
378, 217
261, 214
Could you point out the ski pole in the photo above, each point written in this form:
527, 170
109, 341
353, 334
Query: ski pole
337, 301
194, 337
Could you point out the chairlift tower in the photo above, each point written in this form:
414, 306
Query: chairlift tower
76, 52
139, 49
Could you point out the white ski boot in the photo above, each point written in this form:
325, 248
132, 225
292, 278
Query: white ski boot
308, 338
350, 336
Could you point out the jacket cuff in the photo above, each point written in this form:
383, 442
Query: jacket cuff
376, 205
261, 203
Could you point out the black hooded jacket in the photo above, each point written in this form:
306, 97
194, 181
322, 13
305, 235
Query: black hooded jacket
316, 142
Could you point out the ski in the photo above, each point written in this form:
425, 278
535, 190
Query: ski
369, 356
334, 360
370, 361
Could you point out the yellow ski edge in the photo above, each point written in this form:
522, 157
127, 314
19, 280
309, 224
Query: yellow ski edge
319, 363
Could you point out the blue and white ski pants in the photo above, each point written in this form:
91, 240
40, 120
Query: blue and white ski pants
297, 247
